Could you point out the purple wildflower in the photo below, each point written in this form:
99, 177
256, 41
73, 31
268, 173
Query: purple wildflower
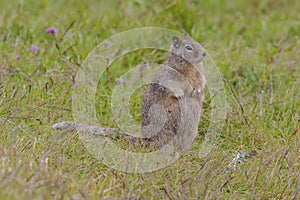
119, 80
51, 31
107, 43
18, 57
34, 48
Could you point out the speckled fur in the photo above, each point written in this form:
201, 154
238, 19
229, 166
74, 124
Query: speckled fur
185, 73
177, 86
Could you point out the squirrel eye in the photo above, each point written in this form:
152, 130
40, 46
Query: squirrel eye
189, 48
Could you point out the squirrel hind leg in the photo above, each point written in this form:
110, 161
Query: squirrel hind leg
158, 118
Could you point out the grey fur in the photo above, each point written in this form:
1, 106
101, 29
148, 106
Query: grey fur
177, 86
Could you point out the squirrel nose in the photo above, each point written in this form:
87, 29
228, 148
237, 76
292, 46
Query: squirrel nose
204, 54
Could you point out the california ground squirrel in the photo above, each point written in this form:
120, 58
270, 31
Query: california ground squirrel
181, 77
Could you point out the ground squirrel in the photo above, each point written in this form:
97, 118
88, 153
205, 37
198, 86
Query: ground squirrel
181, 77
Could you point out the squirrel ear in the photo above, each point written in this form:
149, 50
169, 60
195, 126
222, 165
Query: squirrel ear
176, 41
186, 36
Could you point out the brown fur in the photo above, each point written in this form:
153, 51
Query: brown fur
176, 88
180, 74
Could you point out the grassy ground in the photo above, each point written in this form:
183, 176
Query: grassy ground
255, 44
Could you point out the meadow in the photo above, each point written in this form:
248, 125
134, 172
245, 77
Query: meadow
256, 46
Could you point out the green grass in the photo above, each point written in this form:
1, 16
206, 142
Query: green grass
255, 44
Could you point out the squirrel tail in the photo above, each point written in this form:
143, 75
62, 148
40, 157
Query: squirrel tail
94, 130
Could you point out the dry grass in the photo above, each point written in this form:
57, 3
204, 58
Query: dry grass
256, 45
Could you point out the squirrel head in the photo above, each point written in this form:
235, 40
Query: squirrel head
188, 49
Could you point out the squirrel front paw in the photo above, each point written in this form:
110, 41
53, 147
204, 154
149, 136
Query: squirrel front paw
179, 94
195, 92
